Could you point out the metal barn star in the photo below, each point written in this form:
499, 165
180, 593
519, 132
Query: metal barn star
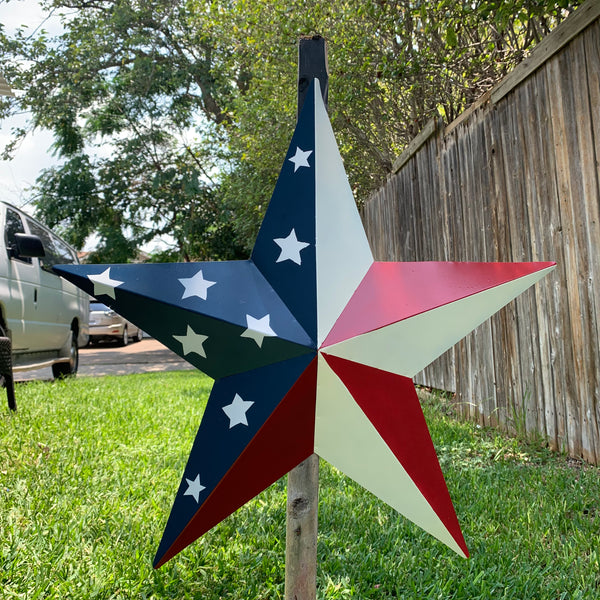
312, 345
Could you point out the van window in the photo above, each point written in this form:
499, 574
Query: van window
51, 257
57, 251
66, 256
13, 224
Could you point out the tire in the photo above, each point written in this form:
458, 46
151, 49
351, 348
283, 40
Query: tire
125, 338
68, 369
6, 374
139, 336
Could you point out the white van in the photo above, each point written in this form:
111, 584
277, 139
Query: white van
44, 316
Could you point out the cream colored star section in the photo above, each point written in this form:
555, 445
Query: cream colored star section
343, 252
104, 285
408, 346
258, 329
192, 342
347, 439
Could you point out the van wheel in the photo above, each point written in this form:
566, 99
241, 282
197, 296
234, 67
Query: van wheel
140, 335
6, 375
68, 369
125, 338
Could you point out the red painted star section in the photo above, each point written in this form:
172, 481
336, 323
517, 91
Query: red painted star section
276, 447
391, 292
390, 402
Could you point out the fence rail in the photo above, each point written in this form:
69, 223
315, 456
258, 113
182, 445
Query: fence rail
517, 179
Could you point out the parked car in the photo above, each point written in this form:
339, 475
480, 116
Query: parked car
43, 317
106, 324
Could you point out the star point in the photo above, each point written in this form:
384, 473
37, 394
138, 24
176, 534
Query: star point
300, 159
258, 329
104, 285
290, 248
236, 411
196, 286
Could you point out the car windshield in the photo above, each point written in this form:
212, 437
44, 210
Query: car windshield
98, 306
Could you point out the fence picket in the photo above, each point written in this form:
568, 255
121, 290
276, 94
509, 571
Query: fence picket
516, 180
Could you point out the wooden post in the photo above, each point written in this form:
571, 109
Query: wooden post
303, 481
312, 62
301, 531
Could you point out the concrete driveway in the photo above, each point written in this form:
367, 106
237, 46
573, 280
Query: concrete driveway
111, 359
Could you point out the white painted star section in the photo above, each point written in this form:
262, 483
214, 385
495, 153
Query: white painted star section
290, 248
192, 342
300, 159
345, 438
258, 329
343, 252
428, 335
104, 285
194, 488
196, 286
236, 411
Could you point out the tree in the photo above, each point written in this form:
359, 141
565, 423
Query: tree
172, 118
394, 64
122, 89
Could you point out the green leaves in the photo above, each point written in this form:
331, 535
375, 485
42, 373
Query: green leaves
144, 88
66, 198
451, 37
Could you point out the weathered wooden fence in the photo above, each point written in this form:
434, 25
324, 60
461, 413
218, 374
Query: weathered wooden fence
517, 178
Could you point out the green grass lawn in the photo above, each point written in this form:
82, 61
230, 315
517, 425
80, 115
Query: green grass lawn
89, 467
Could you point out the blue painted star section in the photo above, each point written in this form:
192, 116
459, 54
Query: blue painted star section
218, 444
292, 209
237, 289
219, 335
